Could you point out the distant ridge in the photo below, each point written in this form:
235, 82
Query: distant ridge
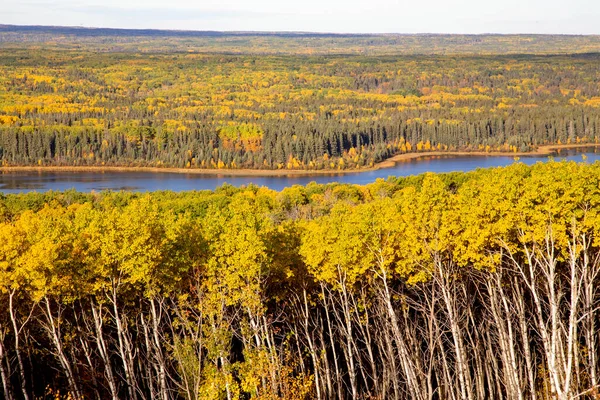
93, 32
305, 43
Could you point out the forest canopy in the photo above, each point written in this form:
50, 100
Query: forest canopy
311, 102
476, 285
173, 41
453, 286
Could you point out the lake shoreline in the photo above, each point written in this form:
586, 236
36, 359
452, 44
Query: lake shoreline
544, 150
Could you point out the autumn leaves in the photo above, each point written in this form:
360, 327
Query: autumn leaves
285, 112
463, 284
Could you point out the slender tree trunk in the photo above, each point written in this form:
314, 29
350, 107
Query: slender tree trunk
408, 367
345, 321
338, 378
390, 367
575, 291
124, 347
147, 365
275, 364
520, 308
88, 357
590, 295
311, 346
103, 350
53, 328
325, 361
365, 329
502, 322
158, 353
442, 273
17, 337
6, 385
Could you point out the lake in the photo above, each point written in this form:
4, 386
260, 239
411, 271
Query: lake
19, 182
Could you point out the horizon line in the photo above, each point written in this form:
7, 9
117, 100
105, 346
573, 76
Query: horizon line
296, 32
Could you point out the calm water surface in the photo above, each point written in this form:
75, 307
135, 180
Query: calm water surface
18, 182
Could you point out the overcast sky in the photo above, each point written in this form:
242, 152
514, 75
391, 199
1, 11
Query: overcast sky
361, 16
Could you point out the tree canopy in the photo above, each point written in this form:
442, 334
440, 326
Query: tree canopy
461, 285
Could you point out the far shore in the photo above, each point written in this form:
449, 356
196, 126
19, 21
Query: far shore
544, 150
390, 162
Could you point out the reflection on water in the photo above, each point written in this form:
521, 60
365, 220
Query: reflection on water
578, 151
117, 188
15, 182
19, 185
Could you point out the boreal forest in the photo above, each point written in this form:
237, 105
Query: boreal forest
455, 286
284, 102
463, 285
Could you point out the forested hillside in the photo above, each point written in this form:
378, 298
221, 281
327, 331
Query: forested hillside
457, 286
308, 43
315, 102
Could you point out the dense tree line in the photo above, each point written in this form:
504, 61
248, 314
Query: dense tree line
296, 112
457, 286
153, 40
